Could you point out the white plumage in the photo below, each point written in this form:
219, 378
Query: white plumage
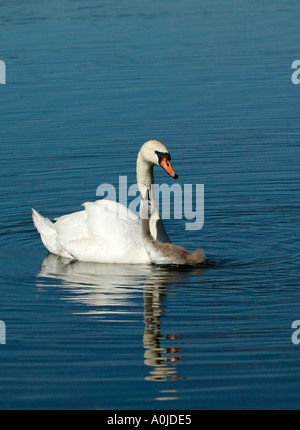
97, 234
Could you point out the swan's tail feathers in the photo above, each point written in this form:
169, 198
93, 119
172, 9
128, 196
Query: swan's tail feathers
49, 236
43, 225
47, 231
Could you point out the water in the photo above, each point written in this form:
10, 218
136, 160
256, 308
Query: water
87, 83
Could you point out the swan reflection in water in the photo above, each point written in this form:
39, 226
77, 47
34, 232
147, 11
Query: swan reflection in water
105, 287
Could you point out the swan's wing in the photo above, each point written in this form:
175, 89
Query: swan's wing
72, 227
112, 223
91, 221
116, 209
105, 232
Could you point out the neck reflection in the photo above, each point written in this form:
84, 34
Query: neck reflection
162, 351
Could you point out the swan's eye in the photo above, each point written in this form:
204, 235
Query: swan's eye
162, 155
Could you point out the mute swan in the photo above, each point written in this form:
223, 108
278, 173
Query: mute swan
97, 234
164, 253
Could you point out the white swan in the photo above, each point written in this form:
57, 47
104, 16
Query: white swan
106, 231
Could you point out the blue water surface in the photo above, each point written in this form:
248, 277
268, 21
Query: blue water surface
88, 82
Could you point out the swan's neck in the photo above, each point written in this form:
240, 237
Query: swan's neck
145, 175
145, 220
145, 179
149, 242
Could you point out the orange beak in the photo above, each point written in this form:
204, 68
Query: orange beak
167, 166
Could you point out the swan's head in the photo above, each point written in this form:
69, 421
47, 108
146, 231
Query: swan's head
156, 153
